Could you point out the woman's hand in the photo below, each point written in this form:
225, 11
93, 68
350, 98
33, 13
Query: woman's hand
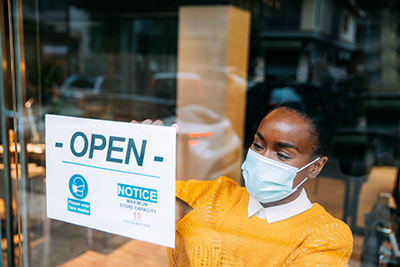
181, 209
158, 122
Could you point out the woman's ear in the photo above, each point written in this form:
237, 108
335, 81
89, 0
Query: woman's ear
316, 167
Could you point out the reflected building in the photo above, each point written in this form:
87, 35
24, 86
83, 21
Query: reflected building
217, 67
295, 33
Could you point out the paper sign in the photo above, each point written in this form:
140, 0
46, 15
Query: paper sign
112, 176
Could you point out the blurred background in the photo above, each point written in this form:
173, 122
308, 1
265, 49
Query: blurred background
217, 67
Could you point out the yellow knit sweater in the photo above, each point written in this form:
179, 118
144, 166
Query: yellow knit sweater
218, 232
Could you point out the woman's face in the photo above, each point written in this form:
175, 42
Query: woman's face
284, 136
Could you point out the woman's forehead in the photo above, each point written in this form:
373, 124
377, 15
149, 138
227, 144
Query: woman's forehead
283, 125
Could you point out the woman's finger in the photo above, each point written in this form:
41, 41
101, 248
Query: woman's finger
158, 122
177, 126
148, 121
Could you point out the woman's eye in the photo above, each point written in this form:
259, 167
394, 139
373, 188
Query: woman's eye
257, 146
282, 156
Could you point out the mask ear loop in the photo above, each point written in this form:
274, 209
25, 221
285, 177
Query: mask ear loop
297, 187
294, 189
309, 164
302, 182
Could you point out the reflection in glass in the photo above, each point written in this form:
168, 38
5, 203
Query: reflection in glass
121, 62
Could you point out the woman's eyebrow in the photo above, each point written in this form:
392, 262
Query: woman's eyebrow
260, 136
286, 145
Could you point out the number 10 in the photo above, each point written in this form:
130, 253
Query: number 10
137, 215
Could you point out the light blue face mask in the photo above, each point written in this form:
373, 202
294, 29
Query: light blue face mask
268, 180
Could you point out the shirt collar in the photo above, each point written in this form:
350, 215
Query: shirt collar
280, 212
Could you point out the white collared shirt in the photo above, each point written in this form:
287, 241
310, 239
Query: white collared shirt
280, 212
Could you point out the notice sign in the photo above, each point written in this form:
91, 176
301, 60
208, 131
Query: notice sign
115, 177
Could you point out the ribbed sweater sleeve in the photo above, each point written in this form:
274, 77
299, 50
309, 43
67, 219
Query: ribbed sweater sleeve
328, 244
203, 246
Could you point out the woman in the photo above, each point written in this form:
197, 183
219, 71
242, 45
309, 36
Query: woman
270, 222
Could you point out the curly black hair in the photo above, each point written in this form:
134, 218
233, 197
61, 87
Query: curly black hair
328, 106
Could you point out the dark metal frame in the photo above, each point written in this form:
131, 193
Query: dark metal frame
12, 88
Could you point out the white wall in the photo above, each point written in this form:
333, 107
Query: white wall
307, 15
349, 35
318, 16
324, 18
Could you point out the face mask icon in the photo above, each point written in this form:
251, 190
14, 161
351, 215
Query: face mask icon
78, 185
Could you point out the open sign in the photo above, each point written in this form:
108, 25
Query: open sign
112, 176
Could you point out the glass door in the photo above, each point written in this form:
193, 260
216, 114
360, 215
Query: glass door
117, 62
77, 59
14, 164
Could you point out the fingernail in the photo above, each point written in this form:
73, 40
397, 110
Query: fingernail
158, 122
148, 121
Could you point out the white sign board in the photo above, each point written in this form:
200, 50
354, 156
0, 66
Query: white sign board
115, 177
